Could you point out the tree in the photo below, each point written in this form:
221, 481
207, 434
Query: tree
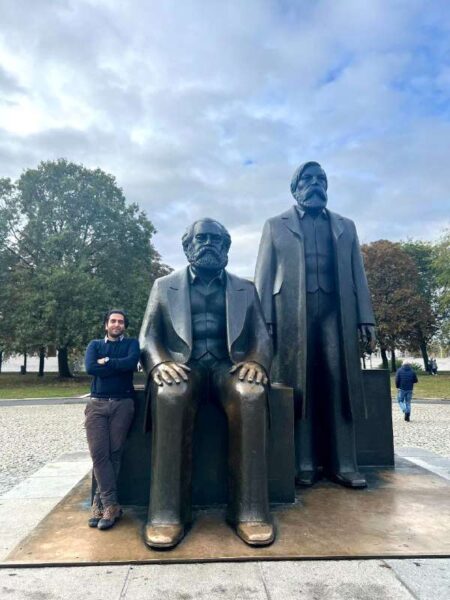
5, 303
79, 249
399, 308
422, 254
441, 264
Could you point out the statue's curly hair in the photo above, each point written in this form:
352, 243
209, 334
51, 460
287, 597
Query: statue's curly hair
189, 233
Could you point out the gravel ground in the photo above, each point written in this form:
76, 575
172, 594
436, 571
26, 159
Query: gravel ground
429, 428
31, 436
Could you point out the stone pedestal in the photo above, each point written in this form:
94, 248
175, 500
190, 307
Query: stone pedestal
209, 481
374, 435
374, 442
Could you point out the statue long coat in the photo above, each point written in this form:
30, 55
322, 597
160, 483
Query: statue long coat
280, 281
166, 332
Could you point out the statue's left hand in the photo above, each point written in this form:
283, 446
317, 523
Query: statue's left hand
367, 333
254, 372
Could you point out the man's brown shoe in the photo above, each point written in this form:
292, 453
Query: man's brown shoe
163, 536
96, 514
258, 533
111, 514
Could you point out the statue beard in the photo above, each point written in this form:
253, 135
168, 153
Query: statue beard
314, 198
207, 258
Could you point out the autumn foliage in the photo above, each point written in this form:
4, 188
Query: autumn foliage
403, 313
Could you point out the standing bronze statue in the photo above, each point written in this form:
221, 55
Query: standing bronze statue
204, 337
313, 289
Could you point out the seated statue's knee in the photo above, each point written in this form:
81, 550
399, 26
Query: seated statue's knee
250, 392
176, 392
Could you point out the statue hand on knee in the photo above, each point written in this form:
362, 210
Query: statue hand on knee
170, 372
254, 372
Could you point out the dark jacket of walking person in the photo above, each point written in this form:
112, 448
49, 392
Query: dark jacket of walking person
109, 412
405, 378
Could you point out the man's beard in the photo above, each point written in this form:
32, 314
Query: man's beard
207, 258
114, 334
314, 198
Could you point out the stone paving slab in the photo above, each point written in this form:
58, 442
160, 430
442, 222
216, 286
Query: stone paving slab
306, 580
18, 517
197, 581
24, 506
408, 452
427, 579
95, 583
345, 580
438, 465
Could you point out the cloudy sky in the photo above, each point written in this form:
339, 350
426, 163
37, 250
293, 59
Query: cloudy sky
205, 107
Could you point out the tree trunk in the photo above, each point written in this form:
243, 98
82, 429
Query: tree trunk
393, 362
41, 362
424, 351
384, 358
1, 360
23, 368
63, 362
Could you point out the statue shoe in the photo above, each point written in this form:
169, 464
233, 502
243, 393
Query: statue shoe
163, 536
256, 533
351, 479
111, 514
307, 478
96, 514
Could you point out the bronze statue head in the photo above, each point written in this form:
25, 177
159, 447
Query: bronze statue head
309, 186
206, 243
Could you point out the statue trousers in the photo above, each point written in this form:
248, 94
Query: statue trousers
326, 437
174, 409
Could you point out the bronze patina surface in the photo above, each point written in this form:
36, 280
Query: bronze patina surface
404, 512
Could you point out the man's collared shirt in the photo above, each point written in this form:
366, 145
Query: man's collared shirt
119, 339
302, 213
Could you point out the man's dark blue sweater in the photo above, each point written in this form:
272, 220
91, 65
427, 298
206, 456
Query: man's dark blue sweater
115, 378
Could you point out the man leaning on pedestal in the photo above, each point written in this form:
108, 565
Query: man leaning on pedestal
109, 412
204, 337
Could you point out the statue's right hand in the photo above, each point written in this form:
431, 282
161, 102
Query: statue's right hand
170, 372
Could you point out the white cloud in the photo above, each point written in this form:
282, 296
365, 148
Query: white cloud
206, 108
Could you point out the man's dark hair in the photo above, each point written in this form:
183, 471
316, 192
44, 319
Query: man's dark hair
189, 233
115, 311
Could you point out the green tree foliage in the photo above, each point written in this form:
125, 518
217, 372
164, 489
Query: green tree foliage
441, 264
422, 254
77, 249
400, 309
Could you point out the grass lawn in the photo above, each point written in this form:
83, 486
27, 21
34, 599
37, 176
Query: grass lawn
14, 385
429, 386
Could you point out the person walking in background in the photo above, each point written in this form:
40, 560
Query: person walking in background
109, 412
433, 366
405, 378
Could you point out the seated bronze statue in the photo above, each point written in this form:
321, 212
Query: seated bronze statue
204, 337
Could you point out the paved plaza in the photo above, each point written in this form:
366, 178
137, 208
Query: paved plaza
44, 456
